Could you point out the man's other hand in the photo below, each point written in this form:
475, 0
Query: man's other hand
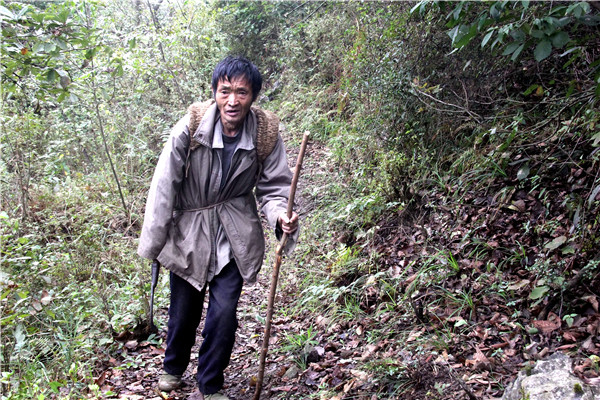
290, 225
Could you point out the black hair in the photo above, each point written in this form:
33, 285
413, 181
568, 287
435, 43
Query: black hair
233, 67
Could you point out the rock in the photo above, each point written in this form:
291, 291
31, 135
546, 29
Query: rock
550, 379
313, 354
291, 373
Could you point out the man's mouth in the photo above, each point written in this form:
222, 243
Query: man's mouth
232, 113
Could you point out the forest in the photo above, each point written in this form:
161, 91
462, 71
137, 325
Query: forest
449, 198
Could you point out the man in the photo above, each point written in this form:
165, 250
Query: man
202, 223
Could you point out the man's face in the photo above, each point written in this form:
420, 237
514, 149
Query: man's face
234, 98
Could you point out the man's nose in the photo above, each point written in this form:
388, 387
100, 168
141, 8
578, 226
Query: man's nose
232, 99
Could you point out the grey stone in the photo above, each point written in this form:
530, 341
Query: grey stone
291, 373
550, 379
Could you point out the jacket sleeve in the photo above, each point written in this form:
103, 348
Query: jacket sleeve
273, 189
165, 185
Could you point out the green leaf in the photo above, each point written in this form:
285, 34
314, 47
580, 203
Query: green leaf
564, 21
572, 59
486, 38
39, 18
22, 12
595, 192
453, 33
542, 50
62, 96
61, 43
466, 38
556, 243
54, 386
511, 48
118, 71
558, 10
578, 9
63, 16
419, 6
596, 139
38, 47
560, 39
531, 89
90, 53
460, 323
538, 34
538, 292
568, 250
518, 35
51, 75
499, 39
494, 13
49, 47
523, 172
549, 25
457, 11
517, 52
6, 12
484, 22
532, 330
20, 337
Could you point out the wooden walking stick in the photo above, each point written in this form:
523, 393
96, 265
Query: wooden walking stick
275, 274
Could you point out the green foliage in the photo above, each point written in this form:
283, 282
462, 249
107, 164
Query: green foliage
37, 43
394, 375
300, 345
123, 88
67, 280
529, 30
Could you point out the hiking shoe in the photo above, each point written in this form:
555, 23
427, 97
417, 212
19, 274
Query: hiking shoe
168, 382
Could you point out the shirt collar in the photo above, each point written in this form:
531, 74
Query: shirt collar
245, 143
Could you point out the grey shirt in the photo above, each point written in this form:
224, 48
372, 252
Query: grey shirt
228, 145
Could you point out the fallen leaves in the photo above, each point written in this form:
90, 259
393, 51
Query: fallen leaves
548, 326
479, 361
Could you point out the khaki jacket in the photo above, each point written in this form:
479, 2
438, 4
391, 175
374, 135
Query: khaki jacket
185, 206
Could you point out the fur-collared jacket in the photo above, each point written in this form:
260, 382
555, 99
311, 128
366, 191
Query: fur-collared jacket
185, 205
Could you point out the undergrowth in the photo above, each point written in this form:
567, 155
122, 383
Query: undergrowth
485, 227
70, 280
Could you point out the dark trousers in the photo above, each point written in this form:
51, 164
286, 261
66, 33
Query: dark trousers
220, 325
